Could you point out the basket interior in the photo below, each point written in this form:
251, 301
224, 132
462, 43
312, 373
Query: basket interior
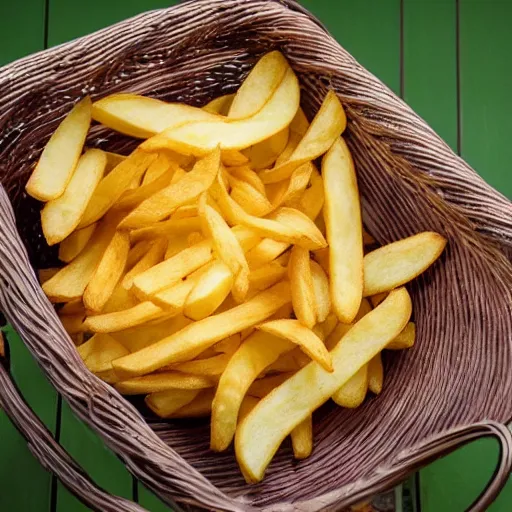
460, 368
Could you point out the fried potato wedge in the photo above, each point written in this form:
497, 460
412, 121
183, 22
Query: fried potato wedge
259, 436
209, 291
259, 86
108, 273
114, 184
142, 117
328, 124
60, 156
375, 374
166, 403
167, 200
98, 352
199, 336
75, 243
398, 263
220, 105
301, 282
405, 339
154, 256
307, 340
321, 290
342, 213
199, 138
61, 216
353, 392
162, 381
256, 353
302, 438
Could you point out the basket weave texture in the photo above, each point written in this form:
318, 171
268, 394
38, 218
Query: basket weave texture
453, 387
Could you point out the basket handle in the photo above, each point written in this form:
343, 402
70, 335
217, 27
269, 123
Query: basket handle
47, 451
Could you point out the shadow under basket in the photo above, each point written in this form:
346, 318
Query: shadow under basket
454, 386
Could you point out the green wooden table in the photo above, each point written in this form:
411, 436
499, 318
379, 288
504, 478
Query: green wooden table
449, 59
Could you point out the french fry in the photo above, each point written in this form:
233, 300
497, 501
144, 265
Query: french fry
166, 403
248, 404
265, 252
141, 336
163, 381
322, 292
142, 117
262, 387
375, 374
251, 200
377, 299
327, 326
405, 339
395, 264
302, 438
61, 216
307, 340
72, 308
264, 277
119, 300
261, 433
98, 352
45, 274
245, 173
339, 331
121, 320
75, 243
209, 291
60, 155
232, 157
298, 128
229, 345
342, 213
220, 105
199, 336
108, 273
137, 252
313, 198
184, 212
259, 86
301, 282
194, 238
326, 127
287, 192
114, 184
254, 355
167, 200
73, 324
154, 256
113, 160
168, 228
265, 153
199, 138
200, 407
353, 392
364, 309
209, 367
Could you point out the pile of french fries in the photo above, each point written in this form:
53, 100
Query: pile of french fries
222, 267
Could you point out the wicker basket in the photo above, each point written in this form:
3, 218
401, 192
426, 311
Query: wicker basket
453, 387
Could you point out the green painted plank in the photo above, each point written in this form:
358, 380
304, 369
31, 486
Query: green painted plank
485, 87
430, 70
21, 29
18, 466
368, 29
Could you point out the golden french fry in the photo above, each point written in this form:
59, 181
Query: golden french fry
229, 345
327, 326
75, 243
307, 340
210, 367
74, 323
265, 252
72, 308
339, 331
166, 403
321, 256
154, 256
253, 202
245, 173
342, 213
353, 392
375, 374
209, 291
70, 282
136, 338
194, 238
200, 407
142, 117
322, 292
259, 86
364, 309
261, 433
45, 274
326, 127
137, 252
232, 157
247, 405
112, 186
163, 381
395, 264
61, 216
301, 282
266, 276
120, 299
199, 336
99, 351
60, 155
378, 298
113, 160
184, 212
312, 200
262, 387
298, 128
168, 228
121, 320
199, 138
220, 105
167, 200
405, 339
108, 273
265, 153
302, 438
254, 355
289, 191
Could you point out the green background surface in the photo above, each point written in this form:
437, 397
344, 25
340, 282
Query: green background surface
449, 59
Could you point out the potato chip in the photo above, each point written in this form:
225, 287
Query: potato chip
60, 156
75, 243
